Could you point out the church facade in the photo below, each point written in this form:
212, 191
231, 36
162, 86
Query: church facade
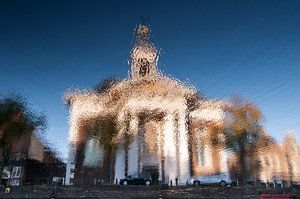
147, 124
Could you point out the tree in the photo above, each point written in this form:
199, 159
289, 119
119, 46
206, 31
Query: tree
105, 84
16, 120
242, 133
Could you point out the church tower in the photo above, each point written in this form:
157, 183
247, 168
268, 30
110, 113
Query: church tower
144, 55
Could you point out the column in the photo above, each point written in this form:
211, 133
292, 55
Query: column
120, 164
160, 150
183, 150
169, 149
133, 147
177, 144
140, 143
73, 139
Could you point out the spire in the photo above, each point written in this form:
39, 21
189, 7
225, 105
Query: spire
144, 55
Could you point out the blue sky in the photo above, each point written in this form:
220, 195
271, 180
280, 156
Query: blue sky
248, 48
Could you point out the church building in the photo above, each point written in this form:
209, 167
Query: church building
147, 124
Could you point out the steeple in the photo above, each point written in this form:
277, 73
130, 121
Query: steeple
144, 55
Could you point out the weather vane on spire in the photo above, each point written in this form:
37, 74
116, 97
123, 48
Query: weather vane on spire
143, 30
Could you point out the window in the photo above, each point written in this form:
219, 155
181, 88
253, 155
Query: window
16, 172
144, 66
14, 182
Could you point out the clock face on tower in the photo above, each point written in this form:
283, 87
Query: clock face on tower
144, 66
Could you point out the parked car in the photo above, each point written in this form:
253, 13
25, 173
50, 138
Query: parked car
222, 179
273, 182
135, 180
295, 184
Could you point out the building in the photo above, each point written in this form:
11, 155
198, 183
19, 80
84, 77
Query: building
31, 162
273, 164
280, 161
146, 124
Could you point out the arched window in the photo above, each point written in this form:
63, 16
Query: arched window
144, 67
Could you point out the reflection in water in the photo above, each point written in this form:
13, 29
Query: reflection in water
25, 155
155, 126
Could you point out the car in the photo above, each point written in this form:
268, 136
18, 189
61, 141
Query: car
273, 182
295, 184
135, 180
222, 179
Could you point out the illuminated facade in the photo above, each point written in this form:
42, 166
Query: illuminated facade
153, 122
